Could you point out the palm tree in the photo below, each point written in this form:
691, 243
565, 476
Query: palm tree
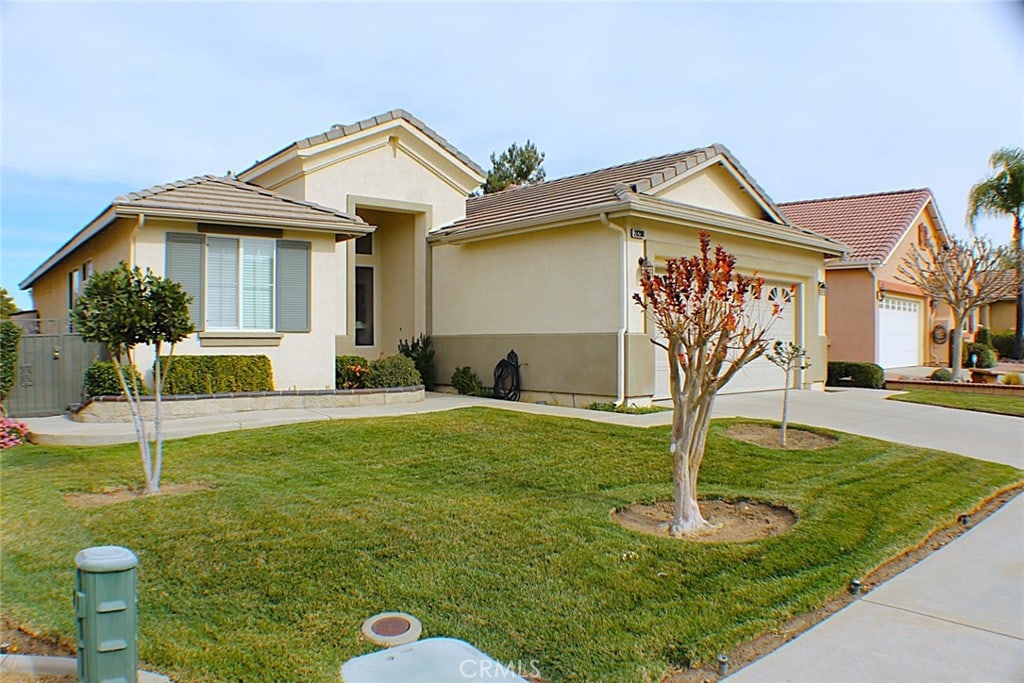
1002, 194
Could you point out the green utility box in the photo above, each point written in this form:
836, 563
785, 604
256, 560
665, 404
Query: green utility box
105, 606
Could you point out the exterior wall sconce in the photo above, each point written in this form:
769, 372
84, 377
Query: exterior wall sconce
822, 288
932, 303
646, 266
880, 294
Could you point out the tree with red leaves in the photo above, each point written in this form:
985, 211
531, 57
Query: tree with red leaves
702, 307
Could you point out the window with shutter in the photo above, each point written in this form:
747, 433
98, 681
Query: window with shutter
293, 286
185, 264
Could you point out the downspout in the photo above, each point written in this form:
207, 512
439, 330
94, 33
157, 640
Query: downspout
620, 390
874, 307
139, 224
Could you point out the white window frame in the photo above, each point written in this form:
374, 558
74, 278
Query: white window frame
240, 287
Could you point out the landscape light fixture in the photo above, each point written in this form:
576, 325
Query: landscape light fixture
880, 294
723, 664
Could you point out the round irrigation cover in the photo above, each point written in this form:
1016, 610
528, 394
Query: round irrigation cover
392, 628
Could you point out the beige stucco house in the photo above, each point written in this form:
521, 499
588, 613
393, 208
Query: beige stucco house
873, 316
395, 246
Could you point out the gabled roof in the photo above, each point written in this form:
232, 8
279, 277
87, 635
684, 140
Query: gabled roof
596, 189
339, 130
211, 199
871, 224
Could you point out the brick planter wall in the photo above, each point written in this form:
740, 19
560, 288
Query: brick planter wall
115, 408
956, 387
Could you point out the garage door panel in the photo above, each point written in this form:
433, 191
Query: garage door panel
899, 332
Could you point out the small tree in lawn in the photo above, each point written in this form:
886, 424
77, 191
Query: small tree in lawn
123, 308
701, 305
789, 357
965, 274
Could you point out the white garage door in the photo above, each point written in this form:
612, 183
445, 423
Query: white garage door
899, 332
760, 374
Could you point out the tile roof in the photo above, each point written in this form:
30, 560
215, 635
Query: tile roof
587, 190
339, 130
225, 195
870, 224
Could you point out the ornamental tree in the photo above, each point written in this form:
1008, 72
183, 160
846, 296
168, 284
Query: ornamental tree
964, 274
788, 357
702, 307
515, 166
123, 308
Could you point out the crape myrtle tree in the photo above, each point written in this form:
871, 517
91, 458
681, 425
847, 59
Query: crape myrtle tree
788, 357
965, 274
123, 308
702, 307
1002, 194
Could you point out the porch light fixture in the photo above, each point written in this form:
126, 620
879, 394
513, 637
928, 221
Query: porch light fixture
646, 266
822, 288
880, 294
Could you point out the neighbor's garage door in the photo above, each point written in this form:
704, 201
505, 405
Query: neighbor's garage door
760, 374
899, 332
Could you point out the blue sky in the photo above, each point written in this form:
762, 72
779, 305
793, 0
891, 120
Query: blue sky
815, 99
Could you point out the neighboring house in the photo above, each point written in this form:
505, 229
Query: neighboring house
548, 270
872, 316
1002, 315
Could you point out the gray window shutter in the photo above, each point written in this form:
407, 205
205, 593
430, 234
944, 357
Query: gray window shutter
185, 264
293, 285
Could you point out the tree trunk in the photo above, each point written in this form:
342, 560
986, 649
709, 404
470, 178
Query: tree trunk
158, 442
689, 426
956, 344
1018, 336
785, 410
135, 409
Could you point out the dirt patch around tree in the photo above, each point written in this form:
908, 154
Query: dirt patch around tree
769, 435
123, 494
752, 650
737, 522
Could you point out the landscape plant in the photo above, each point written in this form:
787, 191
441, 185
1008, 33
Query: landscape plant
421, 351
101, 379
123, 308
350, 372
515, 166
984, 355
392, 371
702, 307
12, 432
963, 274
467, 383
10, 336
790, 358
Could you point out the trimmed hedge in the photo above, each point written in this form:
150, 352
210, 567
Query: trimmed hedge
101, 379
864, 375
217, 374
983, 336
1003, 343
986, 355
350, 372
392, 371
941, 375
10, 335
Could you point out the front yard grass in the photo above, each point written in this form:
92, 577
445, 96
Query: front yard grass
985, 403
488, 525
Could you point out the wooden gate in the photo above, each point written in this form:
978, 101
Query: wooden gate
51, 364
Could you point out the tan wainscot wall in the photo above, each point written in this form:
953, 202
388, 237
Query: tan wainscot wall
298, 360
178, 407
773, 261
850, 315
105, 251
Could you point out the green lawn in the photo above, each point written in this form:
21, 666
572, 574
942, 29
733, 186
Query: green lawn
985, 403
488, 525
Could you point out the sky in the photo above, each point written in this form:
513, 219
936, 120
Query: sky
815, 100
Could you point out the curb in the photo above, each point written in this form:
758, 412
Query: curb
58, 666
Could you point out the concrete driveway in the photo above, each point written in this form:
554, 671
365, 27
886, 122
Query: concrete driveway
956, 616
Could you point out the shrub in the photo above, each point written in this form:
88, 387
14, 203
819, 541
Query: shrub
101, 379
986, 355
983, 336
631, 409
941, 375
1003, 343
10, 335
217, 374
392, 371
1012, 378
12, 432
350, 372
864, 375
467, 383
421, 351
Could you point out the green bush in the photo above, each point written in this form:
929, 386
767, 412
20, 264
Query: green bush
941, 375
631, 409
1012, 378
10, 335
983, 336
101, 379
1003, 343
217, 374
986, 355
864, 375
421, 351
350, 372
467, 383
393, 371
